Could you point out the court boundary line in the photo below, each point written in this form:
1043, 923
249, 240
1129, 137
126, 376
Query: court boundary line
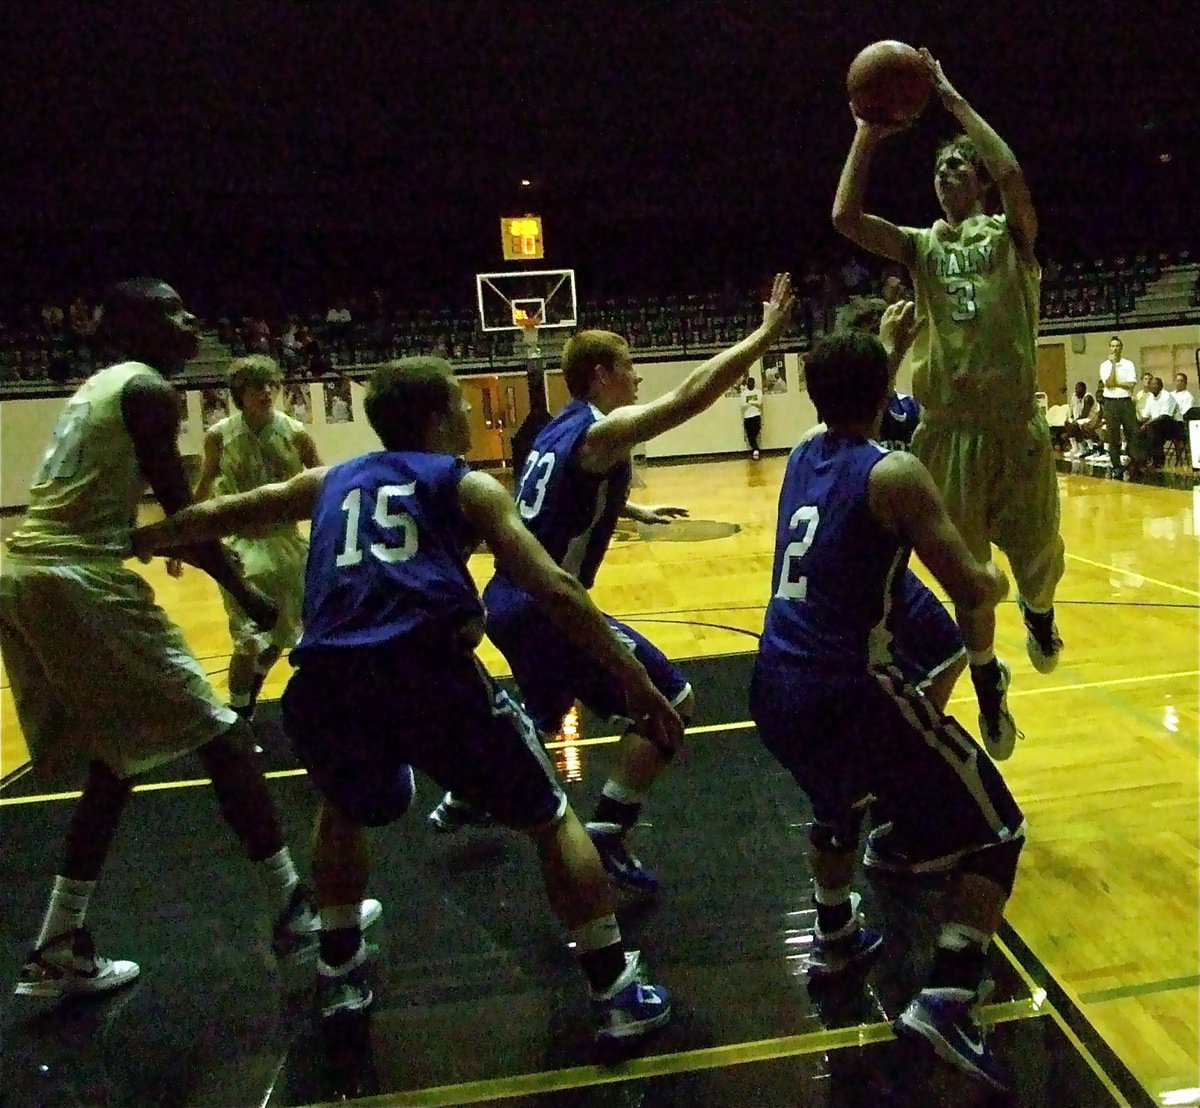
662, 1065
1067, 1012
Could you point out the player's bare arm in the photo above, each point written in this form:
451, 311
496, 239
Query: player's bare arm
905, 500
997, 155
310, 457
210, 465
490, 510
150, 409
871, 232
653, 513
240, 513
611, 440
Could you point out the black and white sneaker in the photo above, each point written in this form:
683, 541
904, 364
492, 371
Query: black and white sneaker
1043, 643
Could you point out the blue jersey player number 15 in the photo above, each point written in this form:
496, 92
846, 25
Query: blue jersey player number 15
789, 587
386, 519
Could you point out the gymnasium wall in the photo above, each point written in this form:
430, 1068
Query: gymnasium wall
25, 425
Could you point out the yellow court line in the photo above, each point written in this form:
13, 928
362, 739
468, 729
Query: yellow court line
151, 787
605, 740
1133, 573
660, 1065
1097, 1069
1111, 682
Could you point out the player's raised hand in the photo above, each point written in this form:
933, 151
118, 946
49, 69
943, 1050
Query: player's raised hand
937, 77
777, 311
897, 327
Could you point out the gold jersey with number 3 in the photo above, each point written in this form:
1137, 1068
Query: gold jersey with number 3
974, 355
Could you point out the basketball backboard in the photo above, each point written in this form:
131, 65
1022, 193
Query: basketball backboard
504, 298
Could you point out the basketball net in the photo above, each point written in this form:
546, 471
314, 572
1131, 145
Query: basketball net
529, 333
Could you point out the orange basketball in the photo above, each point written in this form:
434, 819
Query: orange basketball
887, 83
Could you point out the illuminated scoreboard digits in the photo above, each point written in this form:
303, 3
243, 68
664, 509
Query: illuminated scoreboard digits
521, 236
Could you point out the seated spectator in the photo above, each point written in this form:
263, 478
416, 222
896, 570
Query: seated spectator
1183, 397
1164, 423
1083, 422
1141, 397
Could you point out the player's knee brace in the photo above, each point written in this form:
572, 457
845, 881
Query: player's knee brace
997, 863
837, 838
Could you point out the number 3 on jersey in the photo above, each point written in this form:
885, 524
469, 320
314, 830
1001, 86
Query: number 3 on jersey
796, 587
386, 519
529, 500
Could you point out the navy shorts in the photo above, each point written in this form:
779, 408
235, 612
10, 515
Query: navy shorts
925, 636
360, 717
850, 739
553, 672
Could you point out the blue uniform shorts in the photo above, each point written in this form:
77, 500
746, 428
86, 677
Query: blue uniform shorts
850, 739
360, 717
926, 638
553, 672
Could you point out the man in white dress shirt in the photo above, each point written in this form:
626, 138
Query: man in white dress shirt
1118, 376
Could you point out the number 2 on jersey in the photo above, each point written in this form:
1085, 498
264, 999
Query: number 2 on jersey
387, 519
797, 589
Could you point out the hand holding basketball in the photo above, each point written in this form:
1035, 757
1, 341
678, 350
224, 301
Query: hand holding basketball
888, 85
937, 77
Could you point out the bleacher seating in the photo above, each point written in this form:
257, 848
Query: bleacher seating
1080, 295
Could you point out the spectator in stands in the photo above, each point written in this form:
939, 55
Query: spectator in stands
1164, 423
1083, 421
1183, 397
338, 321
815, 294
1119, 376
854, 275
894, 289
52, 321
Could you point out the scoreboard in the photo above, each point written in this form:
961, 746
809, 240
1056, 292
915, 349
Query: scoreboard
521, 237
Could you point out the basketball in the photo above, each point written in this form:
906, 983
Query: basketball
888, 83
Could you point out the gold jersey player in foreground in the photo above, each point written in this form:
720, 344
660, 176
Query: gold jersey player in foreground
981, 435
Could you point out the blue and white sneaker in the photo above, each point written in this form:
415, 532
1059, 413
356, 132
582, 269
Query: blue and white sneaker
942, 1019
851, 948
295, 932
453, 814
344, 991
623, 869
631, 1007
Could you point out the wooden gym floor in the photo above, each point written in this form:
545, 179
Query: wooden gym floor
1097, 971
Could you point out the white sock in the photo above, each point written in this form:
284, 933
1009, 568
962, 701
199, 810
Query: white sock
279, 876
831, 896
338, 917
67, 908
981, 657
596, 934
621, 793
958, 936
